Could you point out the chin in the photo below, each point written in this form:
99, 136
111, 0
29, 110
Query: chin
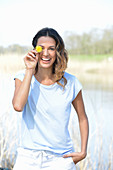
46, 65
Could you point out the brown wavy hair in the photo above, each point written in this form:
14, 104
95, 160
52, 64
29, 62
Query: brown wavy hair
60, 63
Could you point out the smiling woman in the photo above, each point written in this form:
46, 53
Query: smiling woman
54, 52
44, 93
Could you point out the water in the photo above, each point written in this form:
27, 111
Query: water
98, 102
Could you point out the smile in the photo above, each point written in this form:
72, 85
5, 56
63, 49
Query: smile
46, 59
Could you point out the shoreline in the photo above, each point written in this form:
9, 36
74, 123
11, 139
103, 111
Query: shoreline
95, 67
92, 74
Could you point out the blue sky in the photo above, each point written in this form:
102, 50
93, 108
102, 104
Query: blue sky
21, 19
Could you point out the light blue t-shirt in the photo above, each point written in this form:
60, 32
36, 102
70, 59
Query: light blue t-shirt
46, 115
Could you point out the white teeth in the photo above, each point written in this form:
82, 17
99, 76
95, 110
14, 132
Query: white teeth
46, 59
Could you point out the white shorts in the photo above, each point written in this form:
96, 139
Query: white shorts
45, 160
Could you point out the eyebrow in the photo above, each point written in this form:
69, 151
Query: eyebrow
49, 46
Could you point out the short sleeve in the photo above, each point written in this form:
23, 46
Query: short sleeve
77, 87
20, 75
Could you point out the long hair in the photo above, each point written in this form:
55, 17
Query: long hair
60, 63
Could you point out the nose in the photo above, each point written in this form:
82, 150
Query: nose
45, 52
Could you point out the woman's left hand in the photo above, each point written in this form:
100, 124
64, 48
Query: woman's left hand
76, 156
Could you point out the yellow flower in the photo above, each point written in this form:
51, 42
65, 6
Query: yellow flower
38, 49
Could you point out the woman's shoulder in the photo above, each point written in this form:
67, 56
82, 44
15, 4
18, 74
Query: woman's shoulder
20, 75
69, 76
72, 79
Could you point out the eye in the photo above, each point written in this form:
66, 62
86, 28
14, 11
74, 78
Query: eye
52, 48
42, 48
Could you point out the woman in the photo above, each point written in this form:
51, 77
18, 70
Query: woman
44, 93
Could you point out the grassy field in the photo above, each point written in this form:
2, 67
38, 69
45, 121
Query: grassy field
97, 58
95, 70
11, 63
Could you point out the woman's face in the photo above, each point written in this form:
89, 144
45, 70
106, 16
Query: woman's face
48, 55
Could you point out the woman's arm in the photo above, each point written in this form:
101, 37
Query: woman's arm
84, 128
22, 91
22, 87
83, 121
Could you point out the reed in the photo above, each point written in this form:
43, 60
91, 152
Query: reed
11, 63
8, 138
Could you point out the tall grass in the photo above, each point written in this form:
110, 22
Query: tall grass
8, 139
11, 63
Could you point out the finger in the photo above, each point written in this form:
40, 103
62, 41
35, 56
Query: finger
37, 58
68, 155
31, 54
29, 58
34, 51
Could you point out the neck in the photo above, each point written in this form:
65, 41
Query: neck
45, 76
44, 73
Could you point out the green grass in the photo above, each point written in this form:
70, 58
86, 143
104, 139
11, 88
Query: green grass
91, 57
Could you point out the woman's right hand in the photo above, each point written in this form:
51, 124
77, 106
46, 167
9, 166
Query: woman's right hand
31, 60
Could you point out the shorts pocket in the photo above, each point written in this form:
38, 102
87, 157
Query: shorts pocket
72, 160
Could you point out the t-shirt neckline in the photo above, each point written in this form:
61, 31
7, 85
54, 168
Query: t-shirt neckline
43, 85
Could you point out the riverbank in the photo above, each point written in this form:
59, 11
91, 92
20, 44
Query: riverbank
90, 72
91, 66
94, 73
14, 62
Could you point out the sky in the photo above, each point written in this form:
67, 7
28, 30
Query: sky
20, 20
